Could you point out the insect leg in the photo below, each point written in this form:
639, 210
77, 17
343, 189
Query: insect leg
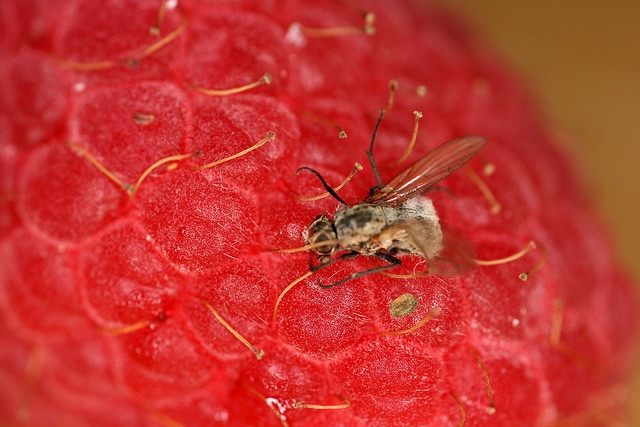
370, 152
393, 262
348, 255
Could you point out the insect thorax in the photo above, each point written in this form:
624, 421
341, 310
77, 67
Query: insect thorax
358, 224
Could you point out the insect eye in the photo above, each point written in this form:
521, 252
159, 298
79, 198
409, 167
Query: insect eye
323, 249
322, 230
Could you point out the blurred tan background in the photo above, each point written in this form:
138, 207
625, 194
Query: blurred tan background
583, 59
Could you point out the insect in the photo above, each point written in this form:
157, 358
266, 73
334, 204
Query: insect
394, 219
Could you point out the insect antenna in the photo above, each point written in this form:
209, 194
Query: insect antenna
370, 152
356, 168
324, 184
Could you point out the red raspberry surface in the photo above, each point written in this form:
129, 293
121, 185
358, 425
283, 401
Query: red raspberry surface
101, 292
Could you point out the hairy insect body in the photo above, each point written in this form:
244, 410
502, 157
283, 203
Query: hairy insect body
357, 225
412, 227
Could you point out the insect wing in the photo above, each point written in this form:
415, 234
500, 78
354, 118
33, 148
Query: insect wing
413, 236
428, 170
456, 256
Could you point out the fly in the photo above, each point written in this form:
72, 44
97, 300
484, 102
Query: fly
393, 220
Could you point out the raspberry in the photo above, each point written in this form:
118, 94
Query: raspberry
139, 283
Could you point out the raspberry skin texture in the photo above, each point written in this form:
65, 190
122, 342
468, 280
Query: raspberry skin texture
107, 288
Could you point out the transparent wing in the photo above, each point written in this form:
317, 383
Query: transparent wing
413, 236
456, 256
428, 170
447, 252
